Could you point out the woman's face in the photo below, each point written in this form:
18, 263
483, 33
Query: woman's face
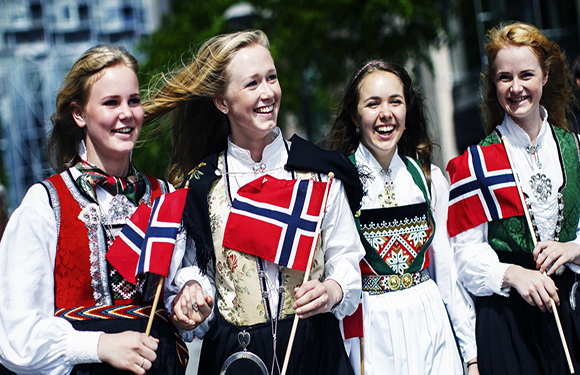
519, 84
252, 96
112, 118
381, 113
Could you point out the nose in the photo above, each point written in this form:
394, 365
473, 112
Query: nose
385, 112
516, 85
125, 112
267, 91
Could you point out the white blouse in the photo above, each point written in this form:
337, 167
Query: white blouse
342, 247
478, 265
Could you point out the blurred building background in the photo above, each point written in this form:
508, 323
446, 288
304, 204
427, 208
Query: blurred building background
39, 40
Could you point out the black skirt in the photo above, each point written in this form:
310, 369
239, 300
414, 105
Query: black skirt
514, 337
168, 360
318, 348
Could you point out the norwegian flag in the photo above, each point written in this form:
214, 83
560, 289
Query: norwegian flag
482, 188
275, 220
146, 243
352, 325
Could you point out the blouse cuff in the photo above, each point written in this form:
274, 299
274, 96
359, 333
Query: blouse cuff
82, 347
497, 276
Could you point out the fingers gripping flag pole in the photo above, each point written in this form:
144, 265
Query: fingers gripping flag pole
307, 273
147, 241
535, 242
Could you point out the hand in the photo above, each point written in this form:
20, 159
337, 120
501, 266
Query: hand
535, 287
555, 254
185, 314
129, 351
315, 297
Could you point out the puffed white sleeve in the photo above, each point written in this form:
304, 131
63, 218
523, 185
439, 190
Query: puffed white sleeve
458, 302
188, 270
32, 339
342, 250
478, 267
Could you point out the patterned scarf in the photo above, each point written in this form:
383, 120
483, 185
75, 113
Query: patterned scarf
132, 186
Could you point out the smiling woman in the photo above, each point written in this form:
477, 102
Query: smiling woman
62, 301
225, 107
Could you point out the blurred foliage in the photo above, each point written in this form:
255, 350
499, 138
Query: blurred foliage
315, 43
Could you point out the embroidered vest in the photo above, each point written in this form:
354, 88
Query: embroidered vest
512, 234
81, 275
396, 239
239, 295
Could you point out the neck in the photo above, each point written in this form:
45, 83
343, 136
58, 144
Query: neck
531, 127
255, 146
112, 169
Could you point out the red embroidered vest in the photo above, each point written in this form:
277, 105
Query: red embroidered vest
73, 282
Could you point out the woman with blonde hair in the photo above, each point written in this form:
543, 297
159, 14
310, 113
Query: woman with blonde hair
514, 281
224, 108
64, 309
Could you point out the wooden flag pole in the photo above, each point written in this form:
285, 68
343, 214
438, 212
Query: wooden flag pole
154, 306
307, 273
535, 241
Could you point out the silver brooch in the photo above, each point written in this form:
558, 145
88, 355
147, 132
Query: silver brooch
541, 186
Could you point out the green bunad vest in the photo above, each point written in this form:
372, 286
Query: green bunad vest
512, 234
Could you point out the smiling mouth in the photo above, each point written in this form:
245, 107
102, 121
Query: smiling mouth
518, 100
123, 131
385, 129
268, 109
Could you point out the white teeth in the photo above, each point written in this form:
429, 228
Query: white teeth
385, 129
517, 100
124, 130
267, 109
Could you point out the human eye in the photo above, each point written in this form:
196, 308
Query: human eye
111, 102
272, 77
252, 84
527, 75
503, 77
135, 100
372, 103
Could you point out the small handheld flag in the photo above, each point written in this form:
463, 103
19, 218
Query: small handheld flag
146, 243
275, 220
483, 188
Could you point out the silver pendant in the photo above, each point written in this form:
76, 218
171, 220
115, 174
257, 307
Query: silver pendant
244, 340
573, 295
120, 208
541, 186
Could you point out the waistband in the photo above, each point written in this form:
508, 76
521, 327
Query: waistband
110, 312
390, 283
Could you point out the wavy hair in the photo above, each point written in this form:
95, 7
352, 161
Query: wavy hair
557, 97
65, 137
186, 95
415, 141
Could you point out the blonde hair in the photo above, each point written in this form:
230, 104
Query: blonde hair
557, 96
198, 127
66, 135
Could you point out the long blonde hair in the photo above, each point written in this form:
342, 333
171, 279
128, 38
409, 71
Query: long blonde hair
198, 127
557, 96
66, 135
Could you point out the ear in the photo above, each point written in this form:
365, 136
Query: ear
77, 114
354, 119
545, 80
220, 105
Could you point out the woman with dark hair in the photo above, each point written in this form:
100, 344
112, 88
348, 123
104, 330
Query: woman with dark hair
224, 105
514, 281
64, 309
408, 275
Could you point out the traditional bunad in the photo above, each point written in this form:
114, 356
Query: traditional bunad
408, 274
514, 337
254, 297
58, 291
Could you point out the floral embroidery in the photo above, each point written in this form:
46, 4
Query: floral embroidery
232, 262
195, 172
398, 261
